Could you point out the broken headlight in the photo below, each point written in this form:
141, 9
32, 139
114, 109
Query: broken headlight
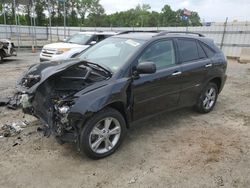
30, 80
63, 109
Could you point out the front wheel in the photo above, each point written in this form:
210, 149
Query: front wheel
207, 99
102, 134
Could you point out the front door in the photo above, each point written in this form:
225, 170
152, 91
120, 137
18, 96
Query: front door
160, 91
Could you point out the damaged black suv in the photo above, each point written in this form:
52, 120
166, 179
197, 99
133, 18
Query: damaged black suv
92, 100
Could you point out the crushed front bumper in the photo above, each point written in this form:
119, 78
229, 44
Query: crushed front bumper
54, 119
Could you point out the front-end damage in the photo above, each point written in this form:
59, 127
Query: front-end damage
48, 91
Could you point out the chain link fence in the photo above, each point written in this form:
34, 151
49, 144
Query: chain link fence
230, 37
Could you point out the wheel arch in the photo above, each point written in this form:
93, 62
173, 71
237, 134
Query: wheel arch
217, 81
120, 107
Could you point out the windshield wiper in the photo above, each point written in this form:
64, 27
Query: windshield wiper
98, 67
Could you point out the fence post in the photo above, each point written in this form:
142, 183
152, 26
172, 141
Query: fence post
223, 35
17, 34
47, 33
35, 32
4, 18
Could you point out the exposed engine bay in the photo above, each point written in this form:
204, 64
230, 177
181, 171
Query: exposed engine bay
7, 48
54, 94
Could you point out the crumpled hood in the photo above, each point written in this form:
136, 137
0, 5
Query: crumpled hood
60, 45
46, 70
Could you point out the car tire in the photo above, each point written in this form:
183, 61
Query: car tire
1, 57
207, 98
102, 134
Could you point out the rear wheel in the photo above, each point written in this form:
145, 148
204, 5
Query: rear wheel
207, 99
102, 134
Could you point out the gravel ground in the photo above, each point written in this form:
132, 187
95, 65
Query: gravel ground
177, 149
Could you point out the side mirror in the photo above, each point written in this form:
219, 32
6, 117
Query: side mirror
146, 68
93, 42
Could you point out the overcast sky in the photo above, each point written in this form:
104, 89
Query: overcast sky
209, 10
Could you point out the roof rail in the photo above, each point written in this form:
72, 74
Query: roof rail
137, 31
181, 32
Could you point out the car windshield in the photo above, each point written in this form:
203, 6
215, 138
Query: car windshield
79, 38
112, 52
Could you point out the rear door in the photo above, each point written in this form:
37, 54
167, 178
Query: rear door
160, 91
194, 66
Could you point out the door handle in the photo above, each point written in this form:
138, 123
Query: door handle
176, 73
208, 65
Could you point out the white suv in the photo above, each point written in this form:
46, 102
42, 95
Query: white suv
72, 46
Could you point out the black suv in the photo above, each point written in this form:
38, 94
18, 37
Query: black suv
91, 100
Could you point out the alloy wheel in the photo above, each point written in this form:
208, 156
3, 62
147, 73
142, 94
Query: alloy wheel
105, 135
210, 97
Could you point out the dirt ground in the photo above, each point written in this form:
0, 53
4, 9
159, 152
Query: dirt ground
177, 149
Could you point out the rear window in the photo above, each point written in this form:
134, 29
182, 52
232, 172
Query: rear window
210, 53
188, 50
201, 51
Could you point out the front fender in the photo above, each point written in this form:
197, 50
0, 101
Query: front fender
93, 101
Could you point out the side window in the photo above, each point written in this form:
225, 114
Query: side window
107, 36
210, 53
188, 50
94, 38
100, 37
161, 53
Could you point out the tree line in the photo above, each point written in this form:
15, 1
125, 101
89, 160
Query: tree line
90, 13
